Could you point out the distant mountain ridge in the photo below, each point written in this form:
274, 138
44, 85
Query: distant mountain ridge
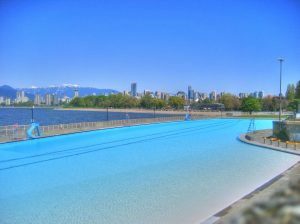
8, 91
60, 91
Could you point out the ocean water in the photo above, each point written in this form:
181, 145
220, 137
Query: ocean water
175, 172
45, 116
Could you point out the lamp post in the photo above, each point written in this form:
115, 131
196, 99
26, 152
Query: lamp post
107, 113
32, 120
280, 94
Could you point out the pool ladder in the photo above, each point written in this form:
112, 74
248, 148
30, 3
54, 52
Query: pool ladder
252, 127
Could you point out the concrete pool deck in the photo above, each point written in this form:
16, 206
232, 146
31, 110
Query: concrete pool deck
263, 194
260, 138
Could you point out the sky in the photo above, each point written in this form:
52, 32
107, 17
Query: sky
166, 45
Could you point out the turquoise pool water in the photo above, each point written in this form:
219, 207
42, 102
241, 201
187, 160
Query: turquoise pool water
177, 172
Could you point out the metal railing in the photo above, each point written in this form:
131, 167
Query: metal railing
18, 132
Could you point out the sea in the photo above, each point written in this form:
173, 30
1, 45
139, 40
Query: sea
49, 116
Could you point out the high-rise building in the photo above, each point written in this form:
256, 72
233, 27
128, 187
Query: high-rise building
125, 93
133, 91
37, 99
254, 94
65, 99
2, 100
7, 102
213, 95
76, 93
261, 94
165, 96
20, 97
49, 99
20, 94
181, 94
203, 96
196, 96
148, 92
158, 94
55, 99
243, 95
190, 93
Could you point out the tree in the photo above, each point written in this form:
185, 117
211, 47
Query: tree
230, 102
294, 105
147, 101
78, 102
176, 102
290, 92
297, 90
250, 105
207, 101
268, 104
159, 103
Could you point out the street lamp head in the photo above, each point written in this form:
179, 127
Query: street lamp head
280, 59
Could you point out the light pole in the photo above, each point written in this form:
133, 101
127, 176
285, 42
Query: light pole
107, 113
32, 120
280, 94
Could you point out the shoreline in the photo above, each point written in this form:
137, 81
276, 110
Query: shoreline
147, 111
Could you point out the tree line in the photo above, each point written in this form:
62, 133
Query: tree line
290, 101
125, 101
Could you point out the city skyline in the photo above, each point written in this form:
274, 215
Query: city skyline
134, 90
230, 46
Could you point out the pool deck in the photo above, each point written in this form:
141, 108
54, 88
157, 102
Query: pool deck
259, 138
263, 193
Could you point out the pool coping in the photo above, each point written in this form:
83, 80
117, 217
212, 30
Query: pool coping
243, 139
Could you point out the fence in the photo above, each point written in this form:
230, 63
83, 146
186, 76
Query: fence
18, 132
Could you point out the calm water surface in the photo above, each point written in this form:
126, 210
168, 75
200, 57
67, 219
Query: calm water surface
10, 116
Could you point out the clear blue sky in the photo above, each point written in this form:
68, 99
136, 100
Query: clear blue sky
162, 45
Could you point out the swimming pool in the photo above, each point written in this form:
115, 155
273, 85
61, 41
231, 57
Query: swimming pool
176, 172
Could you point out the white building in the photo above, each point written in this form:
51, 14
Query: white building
21, 98
213, 95
7, 102
37, 99
49, 99
65, 99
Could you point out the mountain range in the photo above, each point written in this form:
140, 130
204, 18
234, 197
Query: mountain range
60, 91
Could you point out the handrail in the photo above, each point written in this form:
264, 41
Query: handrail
18, 132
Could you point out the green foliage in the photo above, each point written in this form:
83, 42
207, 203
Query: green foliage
290, 92
230, 102
176, 102
24, 104
250, 105
293, 105
207, 101
159, 103
297, 90
147, 101
78, 102
268, 104
282, 134
117, 101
